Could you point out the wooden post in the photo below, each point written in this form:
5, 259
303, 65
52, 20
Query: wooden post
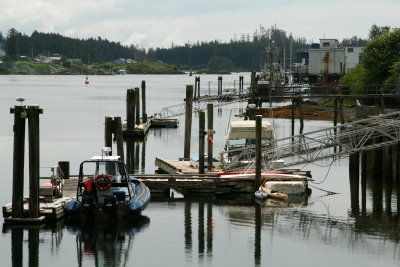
108, 131
18, 160
388, 176
253, 87
198, 87
130, 109
341, 109
202, 126
188, 121
354, 172
130, 155
258, 152
119, 137
364, 159
137, 105
377, 181
398, 174
144, 114
195, 88
300, 105
219, 85
240, 85
292, 116
210, 122
64, 167
34, 159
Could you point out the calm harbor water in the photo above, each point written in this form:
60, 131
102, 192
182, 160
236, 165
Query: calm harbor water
319, 231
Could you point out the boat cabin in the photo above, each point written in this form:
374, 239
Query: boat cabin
243, 133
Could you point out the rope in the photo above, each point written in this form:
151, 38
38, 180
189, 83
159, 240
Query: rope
329, 192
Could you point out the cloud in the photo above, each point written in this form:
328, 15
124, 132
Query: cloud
155, 23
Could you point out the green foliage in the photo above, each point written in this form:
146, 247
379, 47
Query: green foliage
12, 43
355, 76
377, 31
151, 68
379, 57
217, 63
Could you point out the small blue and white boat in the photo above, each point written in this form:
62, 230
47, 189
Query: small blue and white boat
105, 190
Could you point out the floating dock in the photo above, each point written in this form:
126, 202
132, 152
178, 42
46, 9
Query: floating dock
50, 209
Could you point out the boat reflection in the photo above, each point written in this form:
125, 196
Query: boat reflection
106, 243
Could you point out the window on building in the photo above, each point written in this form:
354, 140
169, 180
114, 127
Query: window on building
325, 44
350, 50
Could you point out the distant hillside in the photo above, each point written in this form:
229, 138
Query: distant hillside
240, 54
88, 50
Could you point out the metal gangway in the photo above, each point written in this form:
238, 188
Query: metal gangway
199, 104
333, 142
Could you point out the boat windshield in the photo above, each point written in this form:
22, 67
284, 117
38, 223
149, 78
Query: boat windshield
237, 143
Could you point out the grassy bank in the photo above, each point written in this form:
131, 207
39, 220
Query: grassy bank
29, 67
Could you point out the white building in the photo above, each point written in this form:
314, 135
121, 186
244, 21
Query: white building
330, 59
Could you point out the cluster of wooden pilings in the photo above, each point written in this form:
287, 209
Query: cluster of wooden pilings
380, 170
21, 113
202, 131
133, 110
196, 92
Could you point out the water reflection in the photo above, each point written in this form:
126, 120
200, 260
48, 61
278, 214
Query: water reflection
106, 243
136, 155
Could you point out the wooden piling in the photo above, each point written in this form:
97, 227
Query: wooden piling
300, 105
292, 117
137, 105
377, 181
258, 152
219, 85
210, 122
119, 137
197, 87
388, 177
202, 127
18, 160
144, 114
354, 166
188, 121
34, 159
241, 85
130, 109
108, 131
64, 167
364, 158
253, 87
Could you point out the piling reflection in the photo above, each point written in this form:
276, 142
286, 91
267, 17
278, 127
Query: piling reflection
136, 155
106, 243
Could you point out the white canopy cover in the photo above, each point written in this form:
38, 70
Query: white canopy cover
247, 130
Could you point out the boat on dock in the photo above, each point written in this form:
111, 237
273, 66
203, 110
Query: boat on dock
239, 150
105, 190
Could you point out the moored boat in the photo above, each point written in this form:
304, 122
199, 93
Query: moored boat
105, 190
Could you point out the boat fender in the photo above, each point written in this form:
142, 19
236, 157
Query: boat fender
110, 204
87, 204
103, 182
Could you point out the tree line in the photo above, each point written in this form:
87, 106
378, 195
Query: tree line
243, 53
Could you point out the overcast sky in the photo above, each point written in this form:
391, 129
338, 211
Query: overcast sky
159, 23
